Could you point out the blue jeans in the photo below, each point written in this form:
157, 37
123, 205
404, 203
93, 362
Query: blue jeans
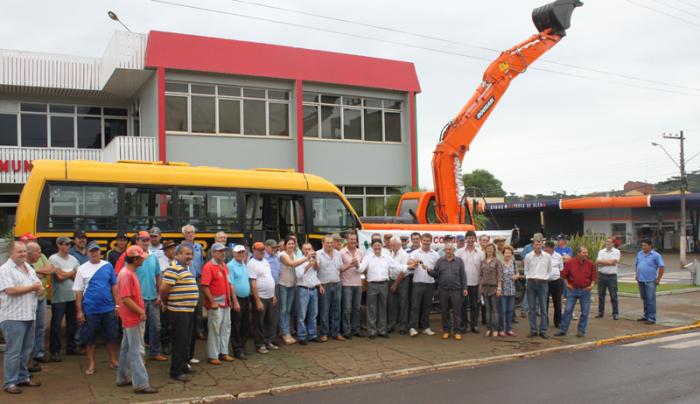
352, 311
39, 329
58, 311
537, 298
286, 302
647, 291
584, 296
130, 359
307, 312
330, 310
19, 338
153, 326
505, 313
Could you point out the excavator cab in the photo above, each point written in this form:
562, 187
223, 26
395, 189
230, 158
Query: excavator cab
555, 15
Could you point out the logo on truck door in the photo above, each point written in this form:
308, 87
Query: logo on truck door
485, 108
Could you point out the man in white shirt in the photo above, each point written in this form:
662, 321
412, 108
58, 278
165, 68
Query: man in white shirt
423, 285
398, 289
471, 257
607, 261
308, 288
262, 285
538, 269
554, 286
329, 263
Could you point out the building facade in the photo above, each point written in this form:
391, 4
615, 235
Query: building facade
216, 102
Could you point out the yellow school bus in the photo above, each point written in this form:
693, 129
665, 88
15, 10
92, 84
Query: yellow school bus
101, 199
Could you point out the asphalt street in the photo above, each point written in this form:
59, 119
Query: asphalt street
661, 370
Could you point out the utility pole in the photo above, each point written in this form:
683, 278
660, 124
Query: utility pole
683, 189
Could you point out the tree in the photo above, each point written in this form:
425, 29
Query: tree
484, 183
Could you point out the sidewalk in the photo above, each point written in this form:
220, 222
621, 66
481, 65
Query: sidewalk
65, 382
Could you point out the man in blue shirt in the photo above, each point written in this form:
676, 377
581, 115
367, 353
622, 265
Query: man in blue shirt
649, 269
149, 278
563, 249
240, 321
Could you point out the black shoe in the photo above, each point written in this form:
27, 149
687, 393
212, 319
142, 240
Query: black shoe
146, 390
166, 350
649, 322
580, 334
315, 340
359, 334
642, 319
56, 358
43, 359
302, 342
475, 330
616, 316
383, 336
560, 334
190, 371
35, 368
532, 335
349, 336
181, 378
242, 355
599, 316
544, 336
372, 336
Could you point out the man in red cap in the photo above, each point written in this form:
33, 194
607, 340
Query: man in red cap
133, 317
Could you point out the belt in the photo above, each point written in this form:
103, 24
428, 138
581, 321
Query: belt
377, 281
306, 287
330, 283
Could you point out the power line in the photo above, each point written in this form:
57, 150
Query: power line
450, 41
223, 12
663, 12
676, 8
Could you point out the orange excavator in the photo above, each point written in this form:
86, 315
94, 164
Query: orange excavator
448, 208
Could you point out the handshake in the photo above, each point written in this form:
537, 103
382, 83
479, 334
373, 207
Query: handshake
413, 264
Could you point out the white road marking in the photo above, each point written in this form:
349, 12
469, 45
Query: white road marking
683, 345
663, 340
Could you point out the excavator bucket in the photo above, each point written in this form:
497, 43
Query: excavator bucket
555, 15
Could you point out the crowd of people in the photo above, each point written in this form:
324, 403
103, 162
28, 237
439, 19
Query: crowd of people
149, 296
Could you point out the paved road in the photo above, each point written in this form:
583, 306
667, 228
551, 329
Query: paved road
672, 275
663, 370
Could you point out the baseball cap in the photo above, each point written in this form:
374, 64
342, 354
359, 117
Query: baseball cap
93, 246
167, 244
79, 234
136, 251
537, 236
121, 234
258, 246
143, 234
562, 237
238, 248
155, 231
218, 247
270, 243
499, 238
27, 237
460, 237
63, 240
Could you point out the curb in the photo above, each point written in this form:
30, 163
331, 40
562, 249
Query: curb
395, 374
665, 293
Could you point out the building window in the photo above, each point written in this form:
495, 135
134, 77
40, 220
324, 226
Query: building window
351, 118
374, 200
220, 109
65, 126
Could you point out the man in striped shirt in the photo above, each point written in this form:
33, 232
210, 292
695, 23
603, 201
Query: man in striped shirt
179, 294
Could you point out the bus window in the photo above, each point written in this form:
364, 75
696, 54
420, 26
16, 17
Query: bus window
253, 212
330, 215
209, 209
148, 207
292, 218
86, 207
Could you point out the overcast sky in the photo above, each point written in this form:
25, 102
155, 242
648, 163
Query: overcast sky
550, 132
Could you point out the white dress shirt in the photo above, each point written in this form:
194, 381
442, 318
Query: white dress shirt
329, 266
538, 266
557, 266
401, 257
19, 307
307, 279
378, 268
429, 259
605, 255
472, 263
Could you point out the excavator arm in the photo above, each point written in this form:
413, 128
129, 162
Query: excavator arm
552, 21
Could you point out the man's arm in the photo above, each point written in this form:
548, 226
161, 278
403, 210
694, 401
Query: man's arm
660, 275
131, 305
115, 295
256, 295
207, 294
164, 292
79, 307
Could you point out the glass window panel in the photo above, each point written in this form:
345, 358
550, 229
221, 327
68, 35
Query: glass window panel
90, 110
310, 121
113, 128
116, 111
34, 133
176, 87
277, 95
352, 101
253, 93
192, 206
392, 104
279, 119
230, 91
392, 126
148, 207
373, 125
375, 206
203, 89
354, 191
310, 97
90, 208
375, 190
229, 116
222, 211
203, 114
176, 113
8, 130
330, 99
28, 107
136, 128
373, 103
352, 124
393, 191
89, 132
62, 109
356, 204
254, 117
331, 215
330, 122
62, 131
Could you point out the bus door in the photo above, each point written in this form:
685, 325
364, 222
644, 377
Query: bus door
273, 216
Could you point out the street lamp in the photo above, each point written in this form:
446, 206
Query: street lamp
112, 15
683, 187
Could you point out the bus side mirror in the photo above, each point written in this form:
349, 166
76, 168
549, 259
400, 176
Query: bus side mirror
555, 15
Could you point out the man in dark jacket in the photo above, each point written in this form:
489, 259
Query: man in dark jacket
452, 285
